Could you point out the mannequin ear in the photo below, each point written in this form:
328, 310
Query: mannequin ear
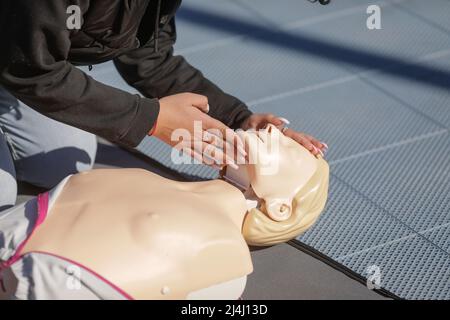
278, 209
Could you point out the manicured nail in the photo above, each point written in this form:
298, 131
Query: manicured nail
207, 108
321, 153
285, 121
318, 150
325, 145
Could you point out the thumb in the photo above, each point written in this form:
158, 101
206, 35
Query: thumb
199, 101
276, 121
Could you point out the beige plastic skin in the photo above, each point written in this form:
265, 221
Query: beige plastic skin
280, 168
260, 230
153, 237
161, 239
290, 182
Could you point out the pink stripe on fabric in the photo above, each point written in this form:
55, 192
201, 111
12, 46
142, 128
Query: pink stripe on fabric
43, 201
42, 204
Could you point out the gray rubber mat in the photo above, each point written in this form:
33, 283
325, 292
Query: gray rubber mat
276, 277
379, 98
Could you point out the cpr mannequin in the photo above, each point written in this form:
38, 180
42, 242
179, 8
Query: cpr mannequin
148, 237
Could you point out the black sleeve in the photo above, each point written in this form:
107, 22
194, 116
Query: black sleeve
35, 43
158, 73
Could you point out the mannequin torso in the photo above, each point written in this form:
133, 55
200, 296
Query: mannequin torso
144, 233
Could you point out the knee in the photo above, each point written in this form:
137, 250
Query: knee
70, 155
8, 195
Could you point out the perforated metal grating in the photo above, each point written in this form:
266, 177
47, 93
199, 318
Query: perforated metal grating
379, 98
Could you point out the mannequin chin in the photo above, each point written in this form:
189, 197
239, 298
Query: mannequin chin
161, 239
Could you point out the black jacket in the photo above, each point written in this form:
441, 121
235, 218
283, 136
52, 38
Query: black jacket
38, 54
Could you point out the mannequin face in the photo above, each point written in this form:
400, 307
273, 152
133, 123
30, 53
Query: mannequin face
278, 168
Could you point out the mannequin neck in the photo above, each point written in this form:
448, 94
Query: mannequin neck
251, 198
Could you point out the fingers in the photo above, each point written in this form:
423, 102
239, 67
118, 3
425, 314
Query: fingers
304, 141
212, 142
271, 119
321, 147
211, 123
300, 139
285, 121
318, 144
217, 156
198, 101
211, 155
259, 121
201, 159
214, 149
231, 140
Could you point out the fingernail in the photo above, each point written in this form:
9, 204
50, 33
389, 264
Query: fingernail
285, 121
326, 146
318, 150
207, 108
322, 154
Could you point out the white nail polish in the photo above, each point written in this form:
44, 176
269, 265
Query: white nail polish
317, 150
321, 153
286, 121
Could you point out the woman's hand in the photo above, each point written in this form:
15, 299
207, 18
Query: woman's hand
209, 139
261, 120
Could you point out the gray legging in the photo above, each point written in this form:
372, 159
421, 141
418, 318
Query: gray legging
37, 150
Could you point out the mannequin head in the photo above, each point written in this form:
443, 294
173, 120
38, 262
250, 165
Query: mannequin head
291, 186
278, 168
